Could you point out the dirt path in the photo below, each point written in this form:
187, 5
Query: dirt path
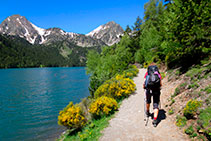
129, 124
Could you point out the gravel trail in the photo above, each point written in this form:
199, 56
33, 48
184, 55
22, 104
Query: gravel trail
129, 125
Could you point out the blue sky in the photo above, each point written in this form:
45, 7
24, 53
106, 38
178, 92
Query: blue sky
79, 16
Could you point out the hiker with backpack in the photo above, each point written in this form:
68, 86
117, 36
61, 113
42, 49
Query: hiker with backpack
152, 85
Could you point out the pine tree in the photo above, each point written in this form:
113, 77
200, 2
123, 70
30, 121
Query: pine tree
137, 24
128, 29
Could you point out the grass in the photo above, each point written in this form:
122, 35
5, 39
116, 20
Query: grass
204, 121
201, 138
199, 72
194, 73
181, 121
195, 85
190, 131
183, 85
207, 89
208, 101
177, 91
90, 132
177, 72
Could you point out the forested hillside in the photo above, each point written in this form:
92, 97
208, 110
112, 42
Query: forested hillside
16, 52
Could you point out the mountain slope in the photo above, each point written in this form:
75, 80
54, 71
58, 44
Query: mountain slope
19, 26
16, 52
109, 33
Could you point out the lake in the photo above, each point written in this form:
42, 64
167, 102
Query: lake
31, 98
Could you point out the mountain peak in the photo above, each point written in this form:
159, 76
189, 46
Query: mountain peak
18, 25
109, 33
15, 16
111, 22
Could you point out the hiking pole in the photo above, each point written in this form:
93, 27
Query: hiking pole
146, 118
145, 105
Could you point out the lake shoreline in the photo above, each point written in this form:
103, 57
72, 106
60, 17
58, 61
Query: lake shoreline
32, 98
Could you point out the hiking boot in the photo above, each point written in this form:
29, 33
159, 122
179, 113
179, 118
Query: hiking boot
148, 114
155, 122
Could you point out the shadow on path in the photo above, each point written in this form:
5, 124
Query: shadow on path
161, 115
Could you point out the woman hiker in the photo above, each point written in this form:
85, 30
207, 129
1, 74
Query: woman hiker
152, 85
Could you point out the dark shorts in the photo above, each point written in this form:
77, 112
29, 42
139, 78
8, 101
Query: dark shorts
156, 97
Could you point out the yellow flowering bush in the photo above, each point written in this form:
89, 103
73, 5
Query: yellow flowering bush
131, 72
116, 87
103, 106
191, 108
72, 117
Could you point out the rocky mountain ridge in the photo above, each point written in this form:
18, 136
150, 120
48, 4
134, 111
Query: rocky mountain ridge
17, 25
106, 33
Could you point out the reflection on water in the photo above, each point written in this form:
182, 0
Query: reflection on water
30, 100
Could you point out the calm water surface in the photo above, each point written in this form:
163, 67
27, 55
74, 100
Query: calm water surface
30, 100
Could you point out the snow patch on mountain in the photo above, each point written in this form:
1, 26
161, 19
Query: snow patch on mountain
27, 32
47, 33
33, 40
63, 33
71, 34
97, 30
41, 32
19, 21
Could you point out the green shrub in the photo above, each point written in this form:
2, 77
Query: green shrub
171, 111
177, 91
131, 72
194, 85
183, 85
181, 121
191, 108
205, 121
198, 128
190, 131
